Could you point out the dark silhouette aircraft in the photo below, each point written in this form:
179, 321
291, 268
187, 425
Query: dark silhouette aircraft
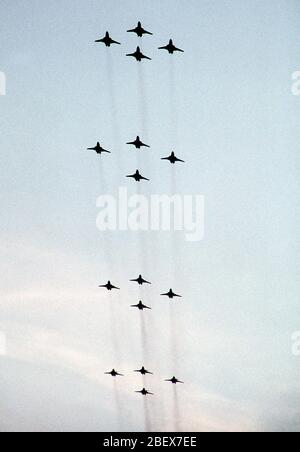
144, 392
174, 381
171, 48
173, 159
109, 286
138, 143
138, 55
137, 176
107, 40
140, 280
114, 373
171, 294
140, 306
139, 30
99, 149
143, 371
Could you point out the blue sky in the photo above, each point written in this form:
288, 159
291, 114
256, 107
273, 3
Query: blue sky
237, 129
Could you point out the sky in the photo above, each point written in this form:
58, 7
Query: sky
225, 106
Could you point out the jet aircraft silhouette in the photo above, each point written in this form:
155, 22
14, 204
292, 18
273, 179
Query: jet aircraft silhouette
139, 30
144, 392
173, 159
109, 286
99, 149
171, 294
138, 55
114, 373
174, 381
140, 306
140, 280
107, 40
137, 176
171, 48
143, 371
138, 143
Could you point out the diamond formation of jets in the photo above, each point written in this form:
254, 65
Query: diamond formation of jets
138, 55
109, 286
139, 30
138, 143
174, 381
171, 48
137, 176
171, 294
173, 159
107, 40
98, 149
140, 306
143, 371
114, 373
140, 280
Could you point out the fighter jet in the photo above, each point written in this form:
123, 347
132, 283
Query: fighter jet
140, 306
143, 371
139, 30
144, 392
137, 176
138, 55
171, 48
107, 40
174, 381
140, 280
173, 159
171, 294
99, 149
109, 286
138, 143
114, 373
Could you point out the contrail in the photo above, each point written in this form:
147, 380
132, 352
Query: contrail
143, 104
147, 418
118, 404
143, 156
113, 107
177, 419
173, 336
174, 142
114, 330
173, 104
144, 339
106, 242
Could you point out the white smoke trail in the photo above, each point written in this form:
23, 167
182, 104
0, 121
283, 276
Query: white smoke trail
118, 405
143, 103
177, 417
144, 339
174, 333
147, 417
174, 142
113, 107
173, 104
